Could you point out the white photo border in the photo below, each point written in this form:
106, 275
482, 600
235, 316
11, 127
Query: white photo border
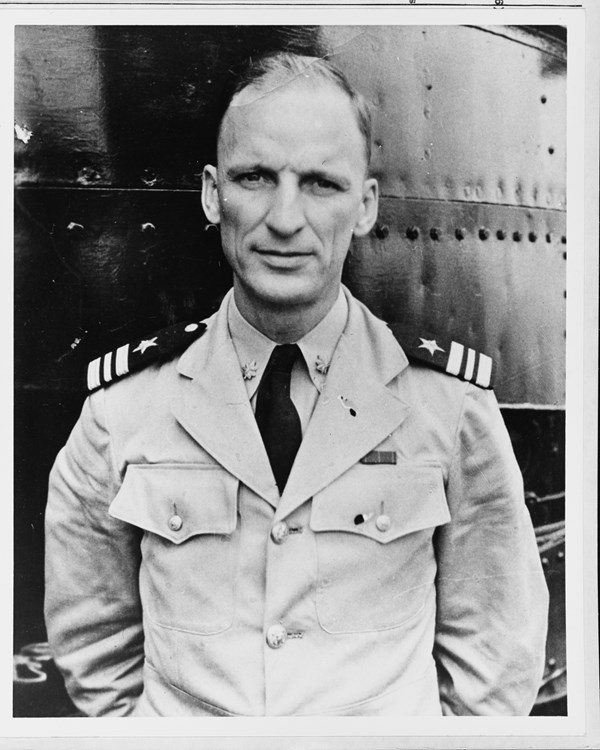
581, 728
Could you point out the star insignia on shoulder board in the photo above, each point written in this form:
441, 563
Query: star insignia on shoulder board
430, 345
145, 344
118, 363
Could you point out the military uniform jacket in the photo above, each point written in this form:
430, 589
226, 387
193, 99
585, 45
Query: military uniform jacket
397, 574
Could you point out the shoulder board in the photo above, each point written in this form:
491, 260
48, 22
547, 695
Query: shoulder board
448, 356
158, 347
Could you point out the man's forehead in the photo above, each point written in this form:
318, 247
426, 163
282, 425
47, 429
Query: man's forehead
252, 106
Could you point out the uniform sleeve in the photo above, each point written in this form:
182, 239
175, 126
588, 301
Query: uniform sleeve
92, 607
492, 595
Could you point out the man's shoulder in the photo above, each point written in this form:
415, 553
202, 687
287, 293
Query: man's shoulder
448, 356
429, 350
131, 357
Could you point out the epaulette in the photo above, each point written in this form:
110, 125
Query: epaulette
138, 354
448, 356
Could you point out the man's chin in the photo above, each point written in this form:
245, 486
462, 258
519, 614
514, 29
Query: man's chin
284, 292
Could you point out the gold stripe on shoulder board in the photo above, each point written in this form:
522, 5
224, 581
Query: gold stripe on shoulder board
477, 368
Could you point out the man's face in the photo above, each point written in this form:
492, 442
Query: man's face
289, 192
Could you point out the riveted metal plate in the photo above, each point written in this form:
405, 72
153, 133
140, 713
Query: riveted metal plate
134, 106
461, 113
538, 439
95, 268
58, 101
551, 544
505, 297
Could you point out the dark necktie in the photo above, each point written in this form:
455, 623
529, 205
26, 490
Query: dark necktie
276, 415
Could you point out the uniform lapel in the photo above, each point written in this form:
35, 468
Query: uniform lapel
214, 409
355, 412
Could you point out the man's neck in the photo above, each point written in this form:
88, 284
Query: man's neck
283, 324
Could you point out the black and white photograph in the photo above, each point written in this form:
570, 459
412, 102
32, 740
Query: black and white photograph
297, 380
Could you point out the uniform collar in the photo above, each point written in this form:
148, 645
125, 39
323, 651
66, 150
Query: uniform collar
213, 405
253, 348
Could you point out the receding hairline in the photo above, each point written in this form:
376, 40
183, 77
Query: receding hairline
273, 72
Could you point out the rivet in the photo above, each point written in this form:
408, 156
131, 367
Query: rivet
412, 233
548, 237
381, 231
564, 256
460, 233
552, 662
484, 233
545, 562
550, 150
500, 234
560, 555
88, 176
435, 233
149, 178
563, 239
543, 99
517, 236
532, 237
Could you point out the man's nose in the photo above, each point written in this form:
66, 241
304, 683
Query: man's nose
286, 211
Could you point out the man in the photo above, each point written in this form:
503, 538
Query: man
289, 518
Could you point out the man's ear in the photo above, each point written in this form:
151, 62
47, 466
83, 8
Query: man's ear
210, 194
368, 208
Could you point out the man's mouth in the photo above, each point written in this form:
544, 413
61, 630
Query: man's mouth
275, 252
282, 260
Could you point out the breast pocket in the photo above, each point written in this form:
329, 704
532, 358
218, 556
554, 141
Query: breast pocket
189, 518
375, 558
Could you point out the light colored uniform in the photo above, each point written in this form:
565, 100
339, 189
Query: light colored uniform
180, 583
309, 373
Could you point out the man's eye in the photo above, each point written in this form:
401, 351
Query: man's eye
251, 179
323, 186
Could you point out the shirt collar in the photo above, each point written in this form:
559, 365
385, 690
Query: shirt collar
253, 348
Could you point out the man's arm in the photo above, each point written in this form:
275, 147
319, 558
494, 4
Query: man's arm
492, 595
92, 607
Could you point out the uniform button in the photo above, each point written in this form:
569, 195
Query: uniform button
175, 523
383, 522
276, 636
279, 532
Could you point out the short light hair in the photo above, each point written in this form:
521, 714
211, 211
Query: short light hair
290, 65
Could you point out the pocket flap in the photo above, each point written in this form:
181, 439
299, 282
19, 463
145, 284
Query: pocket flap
382, 502
178, 501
